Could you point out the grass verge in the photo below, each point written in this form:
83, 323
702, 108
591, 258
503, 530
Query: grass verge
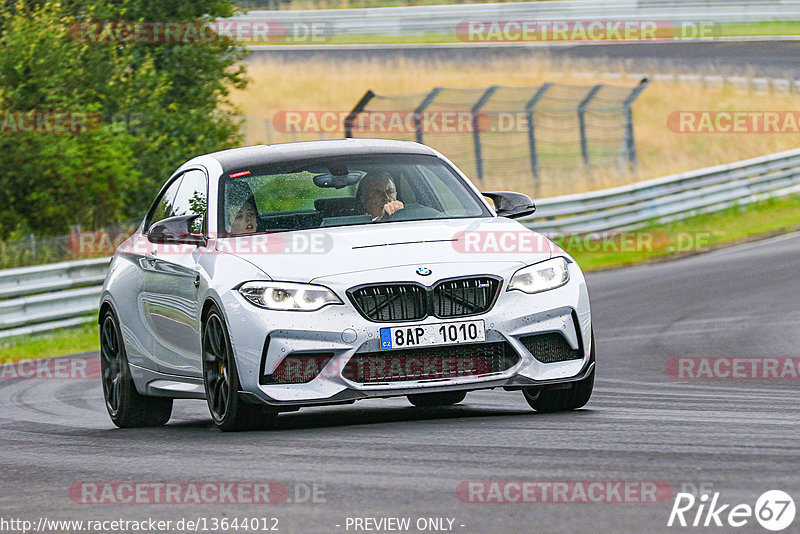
689, 236
680, 238
63, 342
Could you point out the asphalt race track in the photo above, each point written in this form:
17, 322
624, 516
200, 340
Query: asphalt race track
774, 58
387, 459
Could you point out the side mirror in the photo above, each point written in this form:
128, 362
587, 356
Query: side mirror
510, 204
176, 231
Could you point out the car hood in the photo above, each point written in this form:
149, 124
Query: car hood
306, 255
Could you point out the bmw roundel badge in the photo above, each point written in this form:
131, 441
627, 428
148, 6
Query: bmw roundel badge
423, 271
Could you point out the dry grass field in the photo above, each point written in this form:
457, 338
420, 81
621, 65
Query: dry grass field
314, 84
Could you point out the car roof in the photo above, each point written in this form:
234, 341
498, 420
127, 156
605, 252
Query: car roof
236, 158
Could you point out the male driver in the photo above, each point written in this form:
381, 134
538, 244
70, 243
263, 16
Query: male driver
378, 195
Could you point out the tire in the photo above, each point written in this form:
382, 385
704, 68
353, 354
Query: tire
126, 407
221, 381
560, 400
426, 400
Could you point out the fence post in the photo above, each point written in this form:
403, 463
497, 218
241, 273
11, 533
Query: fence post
420, 109
630, 143
476, 134
532, 137
582, 121
32, 240
359, 107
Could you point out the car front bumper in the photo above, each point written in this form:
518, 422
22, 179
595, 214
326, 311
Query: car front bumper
261, 340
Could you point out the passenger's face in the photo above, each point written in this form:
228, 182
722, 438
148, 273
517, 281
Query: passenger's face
377, 195
245, 221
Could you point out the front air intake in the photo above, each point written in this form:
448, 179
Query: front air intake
550, 348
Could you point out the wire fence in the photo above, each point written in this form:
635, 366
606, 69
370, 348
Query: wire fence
491, 133
500, 131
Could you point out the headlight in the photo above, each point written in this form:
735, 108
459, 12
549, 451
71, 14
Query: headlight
538, 277
285, 296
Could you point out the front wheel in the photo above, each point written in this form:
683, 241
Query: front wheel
221, 380
126, 407
560, 400
427, 400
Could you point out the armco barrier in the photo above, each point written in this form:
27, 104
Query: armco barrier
444, 18
671, 197
48, 297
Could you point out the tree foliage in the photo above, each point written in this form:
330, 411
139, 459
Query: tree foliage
160, 103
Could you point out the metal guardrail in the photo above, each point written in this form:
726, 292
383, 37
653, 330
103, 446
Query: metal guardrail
48, 297
445, 18
671, 197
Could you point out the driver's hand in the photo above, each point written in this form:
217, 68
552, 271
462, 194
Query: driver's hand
391, 207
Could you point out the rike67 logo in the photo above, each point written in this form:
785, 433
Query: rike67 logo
774, 510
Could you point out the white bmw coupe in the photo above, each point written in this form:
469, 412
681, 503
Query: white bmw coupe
269, 278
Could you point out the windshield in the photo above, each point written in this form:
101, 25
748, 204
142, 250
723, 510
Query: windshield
343, 191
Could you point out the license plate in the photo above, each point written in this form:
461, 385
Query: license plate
425, 335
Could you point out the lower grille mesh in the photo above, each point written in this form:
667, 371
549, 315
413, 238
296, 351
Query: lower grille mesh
550, 348
298, 368
430, 363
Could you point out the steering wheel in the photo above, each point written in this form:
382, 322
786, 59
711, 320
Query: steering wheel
412, 211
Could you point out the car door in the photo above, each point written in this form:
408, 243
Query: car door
170, 289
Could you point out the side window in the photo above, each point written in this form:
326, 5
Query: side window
191, 199
447, 198
404, 189
165, 206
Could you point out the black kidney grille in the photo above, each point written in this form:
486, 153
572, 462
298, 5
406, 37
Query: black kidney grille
549, 348
465, 296
400, 302
411, 302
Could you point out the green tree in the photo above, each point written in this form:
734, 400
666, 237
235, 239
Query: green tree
52, 180
161, 103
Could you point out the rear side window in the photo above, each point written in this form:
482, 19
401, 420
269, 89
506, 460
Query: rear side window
165, 205
187, 195
191, 199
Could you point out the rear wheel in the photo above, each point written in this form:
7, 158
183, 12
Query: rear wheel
575, 396
447, 398
228, 411
126, 407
